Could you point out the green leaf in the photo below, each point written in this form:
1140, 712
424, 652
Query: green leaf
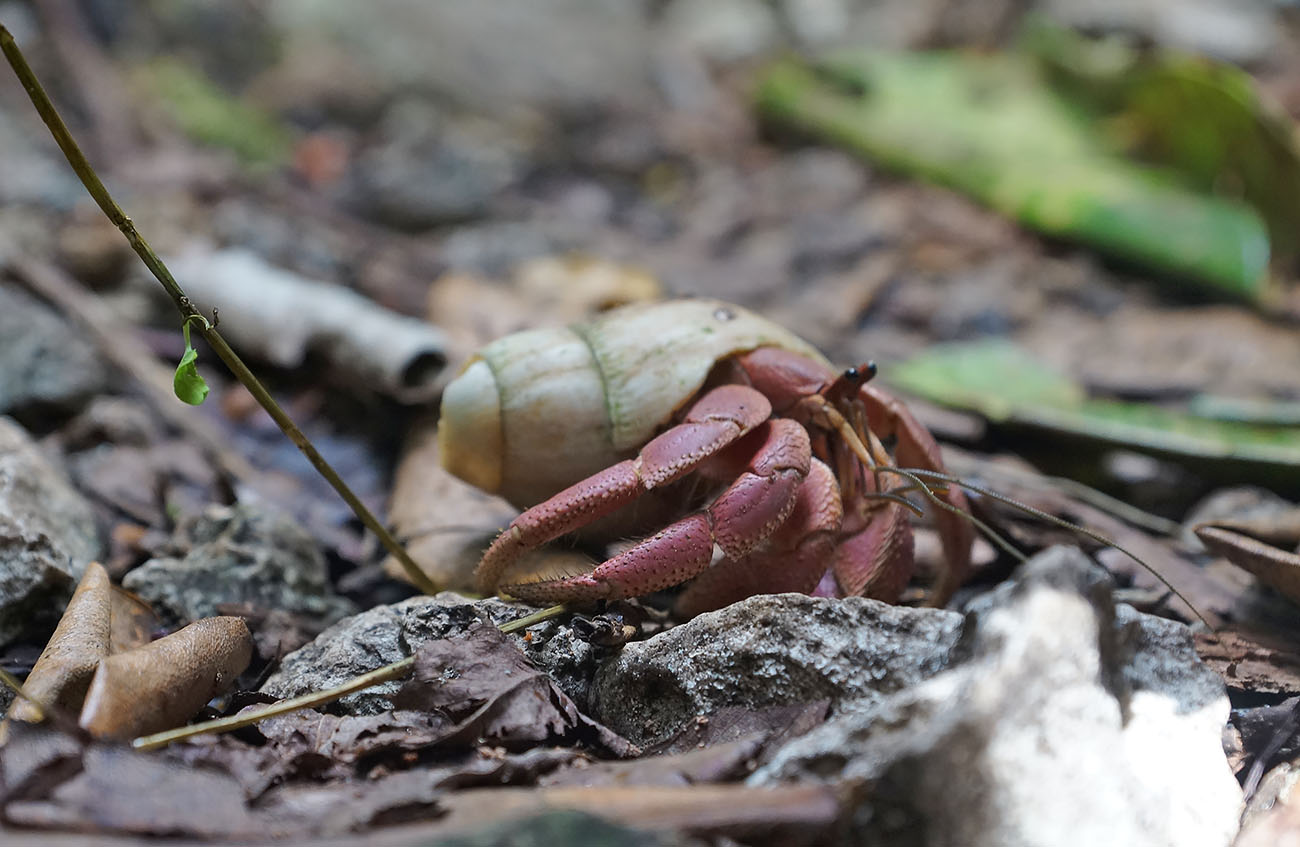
991, 126
1007, 384
211, 116
1207, 119
188, 384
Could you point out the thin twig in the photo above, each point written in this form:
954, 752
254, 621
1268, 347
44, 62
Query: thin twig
387, 673
187, 310
17, 687
117, 344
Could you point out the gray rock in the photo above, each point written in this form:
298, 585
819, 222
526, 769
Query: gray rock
816, 22
47, 536
43, 360
770, 650
722, 30
1234, 32
445, 176
571, 54
1064, 720
31, 171
377, 637
240, 554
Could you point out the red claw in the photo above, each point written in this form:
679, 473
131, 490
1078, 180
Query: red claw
782, 521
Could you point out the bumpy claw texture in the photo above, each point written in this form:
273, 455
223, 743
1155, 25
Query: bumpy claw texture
756, 502
916, 448
794, 560
806, 492
775, 456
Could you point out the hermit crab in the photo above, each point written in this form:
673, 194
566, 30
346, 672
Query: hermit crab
749, 463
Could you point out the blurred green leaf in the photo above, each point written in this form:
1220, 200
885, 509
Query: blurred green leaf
990, 126
1006, 384
1204, 118
211, 116
188, 384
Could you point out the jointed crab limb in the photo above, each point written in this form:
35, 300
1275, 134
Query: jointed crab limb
876, 560
795, 557
775, 458
717, 419
916, 448
783, 522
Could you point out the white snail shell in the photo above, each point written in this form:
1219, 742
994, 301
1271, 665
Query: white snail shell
536, 411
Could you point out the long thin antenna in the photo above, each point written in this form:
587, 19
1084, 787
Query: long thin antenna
1052, 519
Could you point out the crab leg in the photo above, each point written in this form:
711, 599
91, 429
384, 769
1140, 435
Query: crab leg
873, 557
916, 448
875, 560
716, 420
794, 559
776, 458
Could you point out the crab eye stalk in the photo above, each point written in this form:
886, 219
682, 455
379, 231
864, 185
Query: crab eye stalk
860, 374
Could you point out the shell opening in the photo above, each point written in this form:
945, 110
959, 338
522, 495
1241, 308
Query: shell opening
470, 443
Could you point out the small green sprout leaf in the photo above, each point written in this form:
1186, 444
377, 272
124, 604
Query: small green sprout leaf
188, 384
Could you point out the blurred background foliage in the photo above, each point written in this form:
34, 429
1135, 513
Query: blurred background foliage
1123, 209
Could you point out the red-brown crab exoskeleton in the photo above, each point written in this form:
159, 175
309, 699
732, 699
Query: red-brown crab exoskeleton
805, 500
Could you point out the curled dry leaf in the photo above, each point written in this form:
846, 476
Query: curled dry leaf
62, 674
163, 684
445, 523
1275, 567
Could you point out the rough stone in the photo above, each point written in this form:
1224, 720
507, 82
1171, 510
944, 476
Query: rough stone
44, 362
569, 54
770, 650
421, 183
1064, 720
387, 634
47, 536
722, 30
239, 554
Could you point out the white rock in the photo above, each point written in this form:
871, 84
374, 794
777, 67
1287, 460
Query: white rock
1071, 722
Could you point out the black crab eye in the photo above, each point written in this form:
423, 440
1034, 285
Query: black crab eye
861, 373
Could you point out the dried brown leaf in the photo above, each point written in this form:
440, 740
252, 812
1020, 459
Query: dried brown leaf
36, 758
163, 684
445, 523
343, 807
63, 672
484, 682
788, 815
724, 762
308, 746
133, 621
1252, 661
544, 291
1275, 567
117, 789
